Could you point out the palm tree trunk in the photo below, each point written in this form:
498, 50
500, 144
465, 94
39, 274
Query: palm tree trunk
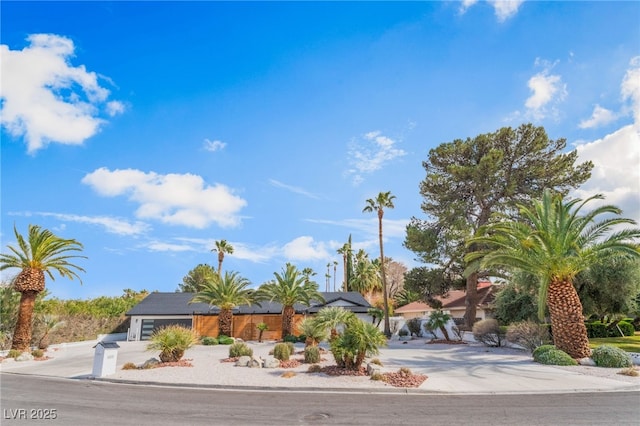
387, 325
225, 321
287, 321
22, 332
567, 321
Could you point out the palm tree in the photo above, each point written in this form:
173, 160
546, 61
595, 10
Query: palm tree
42, 253
335, 267
438, 320
366, 276
222, 247
384, 200
333, 317
288, 288
226, 293
555, 243
347, 254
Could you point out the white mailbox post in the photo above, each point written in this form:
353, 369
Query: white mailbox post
105, 358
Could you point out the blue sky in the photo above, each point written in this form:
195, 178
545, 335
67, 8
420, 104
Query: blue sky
149, 130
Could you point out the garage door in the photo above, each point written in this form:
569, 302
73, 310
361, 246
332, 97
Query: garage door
151, 325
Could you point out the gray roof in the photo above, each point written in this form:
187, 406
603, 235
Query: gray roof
178, 304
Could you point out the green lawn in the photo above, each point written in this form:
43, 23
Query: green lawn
629, 344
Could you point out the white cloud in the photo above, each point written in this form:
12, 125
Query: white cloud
630, 87
391, 228
40, 101
466, 4
305, 249
616, 172
616, 156
214, 146
164, 247
174, 199
110, 224
294, 189
599, 117
505, 9
547, 90
370, 154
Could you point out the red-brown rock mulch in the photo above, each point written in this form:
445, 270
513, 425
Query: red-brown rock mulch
446, 342
181, 363
292, 363
334, 370
232, 359
403, 380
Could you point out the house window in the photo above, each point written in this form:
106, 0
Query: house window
151, 325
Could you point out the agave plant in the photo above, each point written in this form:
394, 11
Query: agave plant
172, 341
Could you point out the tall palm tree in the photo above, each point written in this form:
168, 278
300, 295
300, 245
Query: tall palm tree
347, 259
384, 200
288, 288
222, 247
366, 275
42, 253
226, 292
554, 242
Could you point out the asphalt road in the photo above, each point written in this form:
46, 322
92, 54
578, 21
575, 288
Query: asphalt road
44, 400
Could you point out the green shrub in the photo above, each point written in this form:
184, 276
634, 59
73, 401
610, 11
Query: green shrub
311, 354
596, 329
292, 348
240, 349
14, 353
208, 341
290, 338
489, 332
553, 356
172, 341
626, 328
542, 349
527, 334
282, 352
414, 326
358, 340
225, 340
302, 338
37, 353
610, 356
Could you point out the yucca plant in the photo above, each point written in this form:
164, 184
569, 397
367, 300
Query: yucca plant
172, 341
262, 327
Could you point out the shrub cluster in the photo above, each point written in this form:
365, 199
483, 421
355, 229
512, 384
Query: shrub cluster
282, 351
311, 354
550, 355
225, 340
598, 329
489, 332
208, 341
172, 341
414, 326
610, 356
528, 334
240, 349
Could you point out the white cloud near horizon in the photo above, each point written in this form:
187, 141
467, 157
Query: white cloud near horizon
391, 228
371, 153
213, 146
111, 225
294, 189
173, 199
40, 101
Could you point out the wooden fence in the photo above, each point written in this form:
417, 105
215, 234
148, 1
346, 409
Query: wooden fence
244, 326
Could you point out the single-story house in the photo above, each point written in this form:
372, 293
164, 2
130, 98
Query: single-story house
161, 309
453, 303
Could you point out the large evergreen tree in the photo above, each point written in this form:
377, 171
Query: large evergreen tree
196, 279
468, 181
